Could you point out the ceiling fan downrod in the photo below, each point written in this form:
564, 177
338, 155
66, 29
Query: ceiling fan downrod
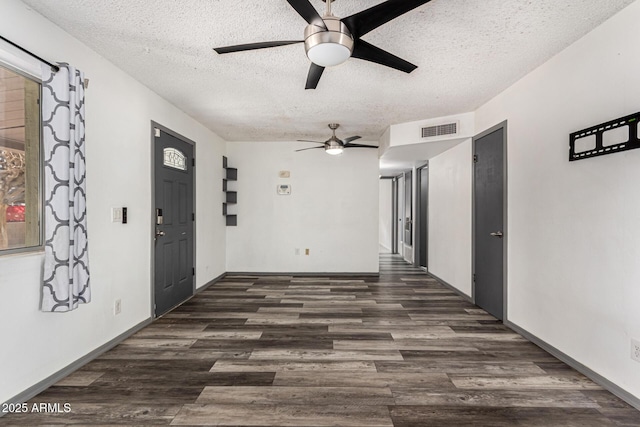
328, 12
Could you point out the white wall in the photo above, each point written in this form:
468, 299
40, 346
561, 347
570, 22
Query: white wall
118, 114
450, 180
332, 210
574, 228
385, 212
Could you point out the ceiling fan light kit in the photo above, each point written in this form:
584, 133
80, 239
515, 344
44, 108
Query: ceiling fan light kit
328, 47
330, 41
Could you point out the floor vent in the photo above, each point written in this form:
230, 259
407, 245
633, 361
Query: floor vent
439, 130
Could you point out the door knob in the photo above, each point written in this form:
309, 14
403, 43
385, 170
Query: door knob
497, 234
159, 233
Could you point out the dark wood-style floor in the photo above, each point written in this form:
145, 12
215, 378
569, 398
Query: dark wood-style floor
398, 350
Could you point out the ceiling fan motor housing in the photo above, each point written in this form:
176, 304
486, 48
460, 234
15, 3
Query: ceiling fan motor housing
328, 47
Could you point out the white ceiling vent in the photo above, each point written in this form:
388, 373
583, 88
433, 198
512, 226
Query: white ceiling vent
440, 130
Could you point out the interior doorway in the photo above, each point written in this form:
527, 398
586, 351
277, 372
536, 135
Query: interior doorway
385, 215
489, 220
400, 214
422, 217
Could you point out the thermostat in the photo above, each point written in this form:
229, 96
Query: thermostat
284, 189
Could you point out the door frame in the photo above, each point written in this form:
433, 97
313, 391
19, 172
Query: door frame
505, 225
400, 214
152, 230
394, 215
418, 223
391, 196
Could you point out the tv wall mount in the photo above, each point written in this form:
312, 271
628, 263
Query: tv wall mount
606, 138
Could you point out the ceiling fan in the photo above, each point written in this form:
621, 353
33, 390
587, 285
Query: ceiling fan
330, 40
334, 145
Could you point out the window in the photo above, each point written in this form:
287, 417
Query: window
20, 183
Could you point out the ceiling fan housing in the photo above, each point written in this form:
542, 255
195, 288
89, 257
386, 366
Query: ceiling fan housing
328, 46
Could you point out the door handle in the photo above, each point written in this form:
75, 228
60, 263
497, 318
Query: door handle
497, 234
159, 233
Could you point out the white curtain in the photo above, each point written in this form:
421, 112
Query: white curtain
66, 261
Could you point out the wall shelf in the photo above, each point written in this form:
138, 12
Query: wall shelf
232, 220
231, 196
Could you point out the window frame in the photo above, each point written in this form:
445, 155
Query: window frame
40, 151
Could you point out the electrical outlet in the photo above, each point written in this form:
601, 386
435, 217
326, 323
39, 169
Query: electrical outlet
635, 350
117, 307
297, 251
306, 251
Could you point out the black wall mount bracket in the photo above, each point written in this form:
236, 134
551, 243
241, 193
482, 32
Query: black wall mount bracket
595, 141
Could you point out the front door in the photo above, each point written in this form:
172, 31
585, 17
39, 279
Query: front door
173, 279
489, 174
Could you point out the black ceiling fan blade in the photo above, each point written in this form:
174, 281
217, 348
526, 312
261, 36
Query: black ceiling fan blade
359, 146
306, 140
254, 46
369, 19
312, 148
315, 72
351, 138
308, 12
369, 52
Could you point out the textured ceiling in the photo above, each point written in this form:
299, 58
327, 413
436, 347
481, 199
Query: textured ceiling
467, 52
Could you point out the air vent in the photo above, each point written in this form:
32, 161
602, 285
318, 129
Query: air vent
439, 130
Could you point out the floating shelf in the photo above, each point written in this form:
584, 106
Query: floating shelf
232, 174
231, 197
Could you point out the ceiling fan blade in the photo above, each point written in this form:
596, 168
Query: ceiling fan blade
312, 148
254, 46
369, 52
351, 138
308, 12
359, 146
306, 140
315, 72
369, 19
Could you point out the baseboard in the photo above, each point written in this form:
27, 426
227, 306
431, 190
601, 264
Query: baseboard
453, 288
74, 366
594, 376
209, 283
41, 386
299, 274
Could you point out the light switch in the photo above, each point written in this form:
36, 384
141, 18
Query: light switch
116, 214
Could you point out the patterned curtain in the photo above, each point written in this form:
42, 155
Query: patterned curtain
66, 260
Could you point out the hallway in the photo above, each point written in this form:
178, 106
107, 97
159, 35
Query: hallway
395, 350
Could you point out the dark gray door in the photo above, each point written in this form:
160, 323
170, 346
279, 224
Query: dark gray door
489, 221
173, 282
424, 215
408, 208
400, 206
394, 216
